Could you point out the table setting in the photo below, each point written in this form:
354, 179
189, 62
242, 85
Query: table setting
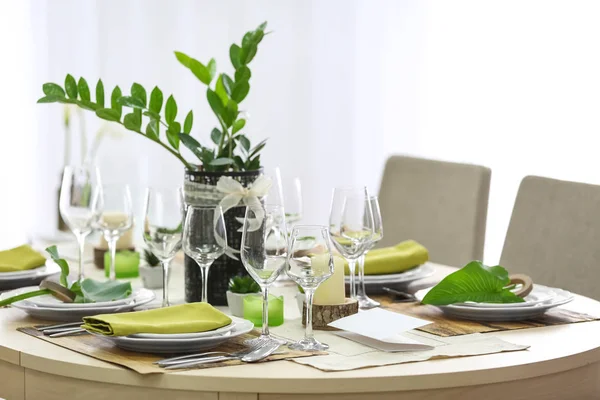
255, 285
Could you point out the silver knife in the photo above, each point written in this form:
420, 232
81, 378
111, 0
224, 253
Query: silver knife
261, 353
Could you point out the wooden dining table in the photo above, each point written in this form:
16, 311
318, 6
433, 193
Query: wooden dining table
562, 362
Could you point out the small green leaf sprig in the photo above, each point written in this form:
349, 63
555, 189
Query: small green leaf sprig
243, 285
233, 151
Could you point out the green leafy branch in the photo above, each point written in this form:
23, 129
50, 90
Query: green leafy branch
224, 98
78, 93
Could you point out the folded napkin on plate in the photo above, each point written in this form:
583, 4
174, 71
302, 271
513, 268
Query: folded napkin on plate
184, 318
395, 259
20, 259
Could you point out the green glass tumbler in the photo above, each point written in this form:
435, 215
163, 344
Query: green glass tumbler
127, 264
253, 310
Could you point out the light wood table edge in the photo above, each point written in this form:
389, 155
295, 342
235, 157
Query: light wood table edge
331, 382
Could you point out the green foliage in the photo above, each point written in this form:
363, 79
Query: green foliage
150, 258
473, 282
86, 291
233, 149
243, 285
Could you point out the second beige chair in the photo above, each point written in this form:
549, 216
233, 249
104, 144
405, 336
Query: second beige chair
554, 235
442, 205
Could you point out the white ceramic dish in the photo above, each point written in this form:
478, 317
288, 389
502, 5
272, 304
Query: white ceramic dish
505, 312
44, 271
179, 345
539, 294
215, 332
50, 301
139, 297
420, 272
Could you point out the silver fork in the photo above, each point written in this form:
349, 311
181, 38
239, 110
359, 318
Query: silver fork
193, 359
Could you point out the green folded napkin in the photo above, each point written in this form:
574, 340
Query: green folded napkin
393, 260
20, 258
184, 318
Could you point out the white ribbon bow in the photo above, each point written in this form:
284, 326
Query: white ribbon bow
236, 193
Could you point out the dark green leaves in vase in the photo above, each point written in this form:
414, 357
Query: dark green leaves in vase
233, 150
474, 282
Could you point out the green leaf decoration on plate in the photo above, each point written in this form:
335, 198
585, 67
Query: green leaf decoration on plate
96, 292
474, 282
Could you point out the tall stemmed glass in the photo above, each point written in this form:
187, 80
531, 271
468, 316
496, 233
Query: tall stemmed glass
309, 268
113, 207
264, 252
162, 229
204, 239
364, 301
351, 226
286, 193
79, 186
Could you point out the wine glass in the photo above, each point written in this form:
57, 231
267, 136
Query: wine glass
351, 226
204, 239
364, 301
309, 267
78, 188
264, 252
162, 229
114, 216
286, 193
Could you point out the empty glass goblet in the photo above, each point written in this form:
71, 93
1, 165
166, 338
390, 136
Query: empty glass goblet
264, 251
79, 186
309, 268
162, 229
114, 216
351, 226
364, 301
204, 239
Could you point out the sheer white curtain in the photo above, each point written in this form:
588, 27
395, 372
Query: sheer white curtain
339, 86
17, 141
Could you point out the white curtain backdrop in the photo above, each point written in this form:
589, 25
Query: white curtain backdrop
338, 87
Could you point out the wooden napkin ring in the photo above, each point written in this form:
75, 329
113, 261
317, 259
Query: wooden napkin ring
525, 281
58, 291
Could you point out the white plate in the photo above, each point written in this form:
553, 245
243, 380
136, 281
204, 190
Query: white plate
539, 294
181, 345
50, 268
420, 272
139, 297
50, 301
504, 312
215, 332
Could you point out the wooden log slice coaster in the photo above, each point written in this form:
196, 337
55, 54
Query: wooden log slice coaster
325, 314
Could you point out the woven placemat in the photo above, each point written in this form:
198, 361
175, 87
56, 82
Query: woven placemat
443, 325
103, 349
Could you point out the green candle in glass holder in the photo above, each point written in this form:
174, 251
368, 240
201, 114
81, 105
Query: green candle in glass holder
127, 264
253, 310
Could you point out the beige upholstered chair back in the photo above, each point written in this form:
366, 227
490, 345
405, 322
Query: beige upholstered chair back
442, 205
554, 235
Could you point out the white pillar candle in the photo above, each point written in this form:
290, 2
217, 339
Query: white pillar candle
333, 290
116, 218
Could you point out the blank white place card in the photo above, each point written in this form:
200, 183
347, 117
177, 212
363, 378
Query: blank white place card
381, 329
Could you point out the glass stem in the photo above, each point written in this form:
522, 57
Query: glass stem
81, 243
352, 268
265, 316
112, 247
165, 268
361, 292
204, 271
308, 335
